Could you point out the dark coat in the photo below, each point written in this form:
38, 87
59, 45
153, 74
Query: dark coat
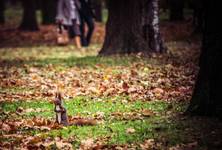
86, 8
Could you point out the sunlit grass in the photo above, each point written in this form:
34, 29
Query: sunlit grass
47, 52
68, 56
61, 56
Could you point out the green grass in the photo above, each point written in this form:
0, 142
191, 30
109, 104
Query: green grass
86, 106
112, 128
104, 15
68, 56
11, 107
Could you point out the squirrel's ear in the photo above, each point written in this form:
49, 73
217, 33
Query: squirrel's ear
59, 95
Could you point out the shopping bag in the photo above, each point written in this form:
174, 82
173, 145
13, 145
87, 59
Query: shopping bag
62, 36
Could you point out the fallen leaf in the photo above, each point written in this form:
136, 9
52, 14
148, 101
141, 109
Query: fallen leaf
147, 113
6, 127
87, 144
130, 130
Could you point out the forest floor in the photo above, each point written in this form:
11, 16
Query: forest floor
134, 102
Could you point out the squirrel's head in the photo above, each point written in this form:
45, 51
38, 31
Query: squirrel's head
58, 98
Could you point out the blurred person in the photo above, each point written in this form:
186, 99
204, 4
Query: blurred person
86, 17
68, 16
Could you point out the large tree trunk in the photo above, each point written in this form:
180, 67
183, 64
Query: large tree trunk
176, 10
2, 9
132, 27
197, 6
29, 20
48, 8
206, 99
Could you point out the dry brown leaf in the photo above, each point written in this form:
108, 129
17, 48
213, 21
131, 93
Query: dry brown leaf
130, 130
6, 127
87, 144
148, 144
125, 86
63, 145
147, 113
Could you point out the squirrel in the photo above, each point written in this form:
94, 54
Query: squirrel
61, 114
60, 110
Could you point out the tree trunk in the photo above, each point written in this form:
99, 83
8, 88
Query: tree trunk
176, 10
206, 99
156, 42
48, 8
2, 9
29, 20
132, 28
197, 7
13, 2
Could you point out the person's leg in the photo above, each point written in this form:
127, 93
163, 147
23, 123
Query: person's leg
71, 31
77, 34
90, 24
82, 30
78, 42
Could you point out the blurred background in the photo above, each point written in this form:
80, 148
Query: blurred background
179, 19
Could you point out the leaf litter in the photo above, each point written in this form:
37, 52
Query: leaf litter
167, 78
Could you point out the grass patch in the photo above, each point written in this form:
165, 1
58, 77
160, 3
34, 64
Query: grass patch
88, 61
84, 106
113, 129
64, 57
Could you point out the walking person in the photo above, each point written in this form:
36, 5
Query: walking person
68, 16
86, 17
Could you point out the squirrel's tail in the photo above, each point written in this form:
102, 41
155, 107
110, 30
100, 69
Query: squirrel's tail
84, 122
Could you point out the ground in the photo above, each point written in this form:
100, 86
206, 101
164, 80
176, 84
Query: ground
135, 102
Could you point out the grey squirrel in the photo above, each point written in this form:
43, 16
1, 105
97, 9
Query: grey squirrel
60, 110
61, 114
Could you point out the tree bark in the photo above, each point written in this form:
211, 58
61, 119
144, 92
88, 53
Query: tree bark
206, 99
156, 42
29, 20
48, 8
176, 10
13, 2
132, 28
2, 9
197, 7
